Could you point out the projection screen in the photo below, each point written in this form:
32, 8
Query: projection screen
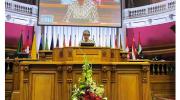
80, 12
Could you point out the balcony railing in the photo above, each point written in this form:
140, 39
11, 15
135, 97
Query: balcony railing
153, 9
22, 8
162, 68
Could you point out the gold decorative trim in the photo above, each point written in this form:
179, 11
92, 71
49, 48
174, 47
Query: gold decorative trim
69, 69
59, 69
113, 74
104, 69
144, 74
26, 68
60, 73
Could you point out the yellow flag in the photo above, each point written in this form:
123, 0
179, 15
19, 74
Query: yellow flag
33, 50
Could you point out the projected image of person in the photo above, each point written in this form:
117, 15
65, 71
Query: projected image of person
82, 11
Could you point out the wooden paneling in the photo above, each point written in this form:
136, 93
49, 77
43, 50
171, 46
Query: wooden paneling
8, 88
38, 84
128, 86
9, 78
97, 77
121, 80
43, 86
162, 79
54, 80
93, 54
162, 85
15, 95
12, 78
78, 74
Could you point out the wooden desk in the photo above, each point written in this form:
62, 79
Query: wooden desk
53, 80
94, 54
52, 77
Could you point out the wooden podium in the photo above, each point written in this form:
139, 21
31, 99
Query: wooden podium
54, 78
94, 54
54, 74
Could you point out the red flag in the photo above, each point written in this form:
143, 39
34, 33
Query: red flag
70, 40
64, 44
27, 43
116, 45
134, 51
127, 48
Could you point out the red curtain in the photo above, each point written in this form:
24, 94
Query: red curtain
155, 35
12, 34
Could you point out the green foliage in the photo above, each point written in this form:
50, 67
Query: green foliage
86, 83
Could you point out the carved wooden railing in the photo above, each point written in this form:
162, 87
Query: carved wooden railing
162, 68
162, 80
9, 63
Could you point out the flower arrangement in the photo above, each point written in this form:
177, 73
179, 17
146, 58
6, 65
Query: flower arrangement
87, 88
